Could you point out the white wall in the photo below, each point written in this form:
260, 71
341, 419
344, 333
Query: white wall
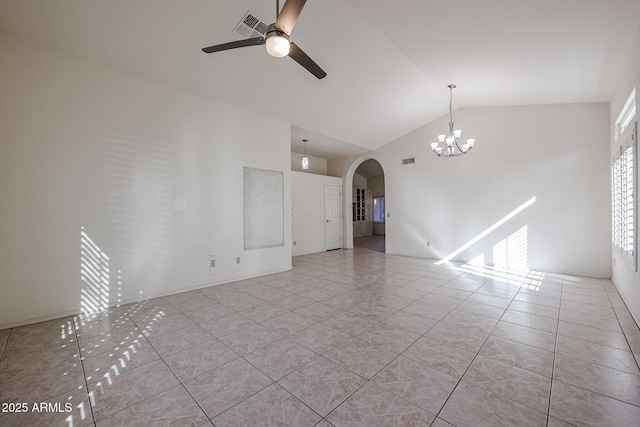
308, 211
558, 154
376, 185
317, 165
359, 181
626, 280
151, 175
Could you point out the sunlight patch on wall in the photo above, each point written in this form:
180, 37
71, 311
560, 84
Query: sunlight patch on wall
94, 275
493, 227
510, 263
511, 252
479, 260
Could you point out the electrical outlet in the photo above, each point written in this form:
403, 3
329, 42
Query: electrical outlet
237, 260
428, 244
294, 243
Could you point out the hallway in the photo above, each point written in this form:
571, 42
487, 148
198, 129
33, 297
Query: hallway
373, 242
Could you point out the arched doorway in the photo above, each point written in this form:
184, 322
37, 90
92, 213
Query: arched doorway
367, 225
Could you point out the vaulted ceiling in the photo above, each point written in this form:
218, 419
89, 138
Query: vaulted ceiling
388, 62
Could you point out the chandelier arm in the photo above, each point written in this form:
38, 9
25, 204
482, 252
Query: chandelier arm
450, 155
453, 151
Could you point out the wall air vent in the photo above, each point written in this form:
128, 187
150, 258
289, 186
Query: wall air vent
409, 161
250, 26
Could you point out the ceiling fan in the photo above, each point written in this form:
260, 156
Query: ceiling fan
276, 38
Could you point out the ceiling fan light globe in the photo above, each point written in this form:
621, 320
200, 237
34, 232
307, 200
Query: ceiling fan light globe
278, 46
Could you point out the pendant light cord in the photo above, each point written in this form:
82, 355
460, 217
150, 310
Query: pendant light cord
451, 110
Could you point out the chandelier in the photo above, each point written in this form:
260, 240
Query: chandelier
449, 145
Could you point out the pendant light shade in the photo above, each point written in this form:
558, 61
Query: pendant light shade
305, 159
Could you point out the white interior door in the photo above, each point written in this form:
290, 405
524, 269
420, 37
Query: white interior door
332, 217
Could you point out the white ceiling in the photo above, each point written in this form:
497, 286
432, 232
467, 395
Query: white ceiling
388, 62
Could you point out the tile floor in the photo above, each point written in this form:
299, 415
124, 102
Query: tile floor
375, 243
347, 338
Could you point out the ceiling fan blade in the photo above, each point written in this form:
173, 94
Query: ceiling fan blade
289, 15
303, 59
256, 41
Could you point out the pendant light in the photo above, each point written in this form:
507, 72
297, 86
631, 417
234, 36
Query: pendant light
305, 159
